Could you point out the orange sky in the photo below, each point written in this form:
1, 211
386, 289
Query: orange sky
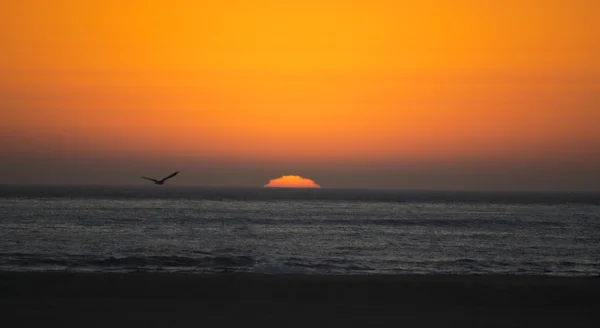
304, 84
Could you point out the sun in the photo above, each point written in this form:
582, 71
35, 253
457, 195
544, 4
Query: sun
292, 181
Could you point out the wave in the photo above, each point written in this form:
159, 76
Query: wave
127, 262
298, 265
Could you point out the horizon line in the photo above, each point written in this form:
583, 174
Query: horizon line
393, 189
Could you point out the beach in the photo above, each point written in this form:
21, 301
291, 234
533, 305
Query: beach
32, 299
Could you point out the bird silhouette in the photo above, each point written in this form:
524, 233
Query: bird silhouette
161, 182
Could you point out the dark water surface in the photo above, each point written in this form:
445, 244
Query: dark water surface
185, 229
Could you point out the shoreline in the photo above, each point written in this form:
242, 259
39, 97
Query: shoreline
30, 299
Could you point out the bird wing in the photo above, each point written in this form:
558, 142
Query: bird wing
150, 179
170, 176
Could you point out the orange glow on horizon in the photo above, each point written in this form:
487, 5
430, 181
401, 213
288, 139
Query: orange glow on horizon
292, 181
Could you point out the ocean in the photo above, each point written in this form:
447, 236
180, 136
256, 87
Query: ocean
300, 231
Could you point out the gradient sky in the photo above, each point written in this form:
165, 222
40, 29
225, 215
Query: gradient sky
371, 94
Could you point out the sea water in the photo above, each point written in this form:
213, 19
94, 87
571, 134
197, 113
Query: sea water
305, 231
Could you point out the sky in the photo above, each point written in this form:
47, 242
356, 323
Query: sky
462, 95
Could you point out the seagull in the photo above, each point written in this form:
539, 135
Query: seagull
161, 182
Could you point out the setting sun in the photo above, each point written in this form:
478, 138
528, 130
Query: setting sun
292, 181
277, 149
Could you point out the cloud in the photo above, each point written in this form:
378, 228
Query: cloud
292, 181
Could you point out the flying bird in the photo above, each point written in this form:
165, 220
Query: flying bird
161, 182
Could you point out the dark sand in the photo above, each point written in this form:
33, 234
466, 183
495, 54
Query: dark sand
180, 300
